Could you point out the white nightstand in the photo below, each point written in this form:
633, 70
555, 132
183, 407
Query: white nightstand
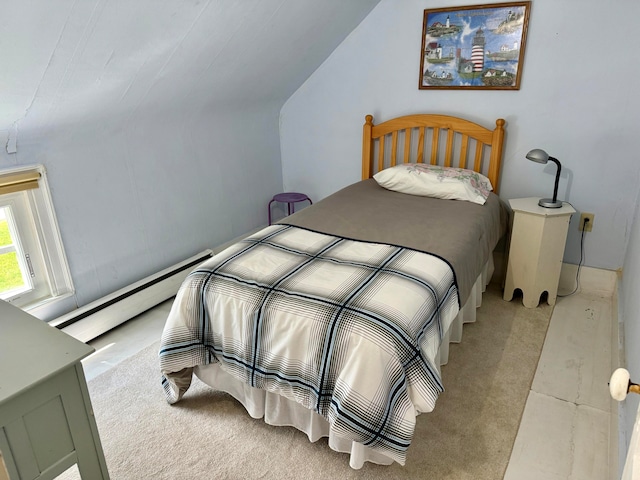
536, 249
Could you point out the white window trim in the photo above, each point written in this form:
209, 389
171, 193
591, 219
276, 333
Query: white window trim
52, 249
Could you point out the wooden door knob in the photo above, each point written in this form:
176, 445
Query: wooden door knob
620, 384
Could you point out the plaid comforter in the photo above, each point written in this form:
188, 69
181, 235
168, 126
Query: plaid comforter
348, 329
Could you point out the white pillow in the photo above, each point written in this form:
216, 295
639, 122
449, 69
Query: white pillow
435, 181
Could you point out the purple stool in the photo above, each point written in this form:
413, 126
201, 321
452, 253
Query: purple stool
290, 198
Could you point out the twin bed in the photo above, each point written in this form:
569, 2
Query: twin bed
337, 319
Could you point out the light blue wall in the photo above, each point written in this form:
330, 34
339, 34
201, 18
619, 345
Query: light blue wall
578, 101
156, 120
137, 193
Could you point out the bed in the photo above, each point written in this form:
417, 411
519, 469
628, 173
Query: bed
336, 320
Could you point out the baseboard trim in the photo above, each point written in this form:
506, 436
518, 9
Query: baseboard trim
616, 458
596, 281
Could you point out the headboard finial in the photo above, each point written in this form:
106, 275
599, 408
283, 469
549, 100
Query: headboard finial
367, 147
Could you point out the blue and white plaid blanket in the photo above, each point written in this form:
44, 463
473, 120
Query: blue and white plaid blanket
348, 329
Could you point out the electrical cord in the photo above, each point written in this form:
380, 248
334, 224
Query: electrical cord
584, 224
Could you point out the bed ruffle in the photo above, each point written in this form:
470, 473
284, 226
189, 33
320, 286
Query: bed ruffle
279, 411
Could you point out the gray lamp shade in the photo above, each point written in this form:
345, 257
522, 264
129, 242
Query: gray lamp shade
540, 156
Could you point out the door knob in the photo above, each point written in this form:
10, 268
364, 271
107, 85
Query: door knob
621, 384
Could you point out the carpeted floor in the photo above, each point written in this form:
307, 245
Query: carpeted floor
209, 435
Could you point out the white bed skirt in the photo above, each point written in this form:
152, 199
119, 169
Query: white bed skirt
280, 411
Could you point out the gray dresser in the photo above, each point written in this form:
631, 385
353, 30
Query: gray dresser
46, 419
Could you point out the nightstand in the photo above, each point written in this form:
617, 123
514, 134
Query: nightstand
538, 238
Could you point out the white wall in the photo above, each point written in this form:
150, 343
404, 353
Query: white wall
578, 101
629, 311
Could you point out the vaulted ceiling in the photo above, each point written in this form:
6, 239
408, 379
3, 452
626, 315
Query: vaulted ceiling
61, 60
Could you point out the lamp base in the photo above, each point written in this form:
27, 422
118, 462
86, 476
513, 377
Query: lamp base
550, 203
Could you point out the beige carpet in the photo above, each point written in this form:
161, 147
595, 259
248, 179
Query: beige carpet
209, 435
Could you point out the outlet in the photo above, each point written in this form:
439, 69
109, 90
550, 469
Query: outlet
589, 224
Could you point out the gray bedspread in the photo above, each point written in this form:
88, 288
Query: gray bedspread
462, 233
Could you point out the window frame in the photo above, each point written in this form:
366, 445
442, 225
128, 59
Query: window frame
37, 228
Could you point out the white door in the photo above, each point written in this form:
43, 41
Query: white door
632, 465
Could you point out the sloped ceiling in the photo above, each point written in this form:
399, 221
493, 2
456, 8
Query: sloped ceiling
61, 60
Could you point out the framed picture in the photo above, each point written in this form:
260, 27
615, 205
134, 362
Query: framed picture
477, 47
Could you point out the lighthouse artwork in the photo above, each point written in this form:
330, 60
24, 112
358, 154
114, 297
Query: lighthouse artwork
479, 47
473, 67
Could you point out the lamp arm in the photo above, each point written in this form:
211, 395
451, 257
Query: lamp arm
555, 187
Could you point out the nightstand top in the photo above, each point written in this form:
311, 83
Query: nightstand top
530, 205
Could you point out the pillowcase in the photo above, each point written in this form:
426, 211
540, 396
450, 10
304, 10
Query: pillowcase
435, 181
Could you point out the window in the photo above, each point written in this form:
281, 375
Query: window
14, 280
33, 266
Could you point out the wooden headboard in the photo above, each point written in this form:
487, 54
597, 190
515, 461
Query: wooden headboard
442, 139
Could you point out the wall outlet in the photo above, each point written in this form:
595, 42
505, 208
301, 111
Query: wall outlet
589, 225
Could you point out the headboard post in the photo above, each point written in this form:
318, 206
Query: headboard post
496, 154
367, 148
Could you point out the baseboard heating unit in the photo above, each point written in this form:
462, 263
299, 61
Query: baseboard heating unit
100, 316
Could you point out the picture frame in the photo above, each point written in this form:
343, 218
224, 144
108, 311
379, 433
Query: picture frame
479, 47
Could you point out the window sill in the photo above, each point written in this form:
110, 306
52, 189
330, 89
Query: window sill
53, 307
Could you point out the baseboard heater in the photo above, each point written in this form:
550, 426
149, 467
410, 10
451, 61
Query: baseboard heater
100, 316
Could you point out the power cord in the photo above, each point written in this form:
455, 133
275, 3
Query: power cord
584, 225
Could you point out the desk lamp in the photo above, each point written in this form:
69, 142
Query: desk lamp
540, 156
